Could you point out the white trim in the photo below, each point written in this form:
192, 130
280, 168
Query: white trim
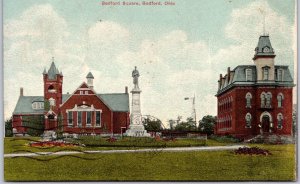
266, 113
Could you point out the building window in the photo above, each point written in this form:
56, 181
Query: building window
248, 100
79, 118
262, 99
279, 99
98, 118
86, 92
265, 73
81, 92
280, 121
51, 89
52, 101
248, 74
88, 118
268, 100
70, 118
248, 120
279, 74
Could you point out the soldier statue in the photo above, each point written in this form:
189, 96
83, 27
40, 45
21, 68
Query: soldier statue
135, 75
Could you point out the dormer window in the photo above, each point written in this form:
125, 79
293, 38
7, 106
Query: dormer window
38, 105
266, 49
279, 74
266, 73
248, 74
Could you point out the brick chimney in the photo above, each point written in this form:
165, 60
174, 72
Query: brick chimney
21, 92
126, 89
228, 74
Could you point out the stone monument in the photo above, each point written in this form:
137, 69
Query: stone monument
136, 127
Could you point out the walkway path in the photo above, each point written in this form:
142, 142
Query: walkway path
178, 149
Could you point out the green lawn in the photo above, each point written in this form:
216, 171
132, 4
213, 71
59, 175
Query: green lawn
211, 165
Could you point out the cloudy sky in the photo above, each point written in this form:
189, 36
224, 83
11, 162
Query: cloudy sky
179, 50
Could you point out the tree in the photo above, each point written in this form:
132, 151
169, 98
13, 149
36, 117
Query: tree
173, 123
294, 129
34, 124
8, 128
188, 125
152, 125
59, 129
207, 124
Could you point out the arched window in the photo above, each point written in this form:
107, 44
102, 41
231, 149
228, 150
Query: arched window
279, 99
248, 119
280, 121
51, 89
248, 74
262, 99
268, 99
248, 100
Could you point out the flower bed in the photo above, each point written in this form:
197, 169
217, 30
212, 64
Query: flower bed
252, 151
51, 144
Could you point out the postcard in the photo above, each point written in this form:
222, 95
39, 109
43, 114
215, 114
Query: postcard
137, 90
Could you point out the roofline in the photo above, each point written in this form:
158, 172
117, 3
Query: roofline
232, 85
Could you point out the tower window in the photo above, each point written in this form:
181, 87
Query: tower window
265, 73
52, 101
248, 75
51, 89
268, 100
262, 99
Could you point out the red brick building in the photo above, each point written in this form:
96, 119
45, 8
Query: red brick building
82, 112
256, 99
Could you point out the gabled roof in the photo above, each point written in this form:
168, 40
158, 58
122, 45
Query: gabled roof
118, 102
24, 105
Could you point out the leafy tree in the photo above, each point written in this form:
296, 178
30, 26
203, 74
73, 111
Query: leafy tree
8, 128
34, 124
46, 105
207, 124
59, 129
173, 123
152, 125
188, 125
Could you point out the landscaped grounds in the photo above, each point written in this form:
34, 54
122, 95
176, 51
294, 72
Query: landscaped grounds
280, 165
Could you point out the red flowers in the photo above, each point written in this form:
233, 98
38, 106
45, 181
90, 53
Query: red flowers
50, 144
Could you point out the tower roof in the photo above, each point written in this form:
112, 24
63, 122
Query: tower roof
53, 71
90, 75
264, 47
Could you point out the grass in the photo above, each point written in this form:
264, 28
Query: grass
154, 166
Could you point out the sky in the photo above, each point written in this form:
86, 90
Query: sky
179, 50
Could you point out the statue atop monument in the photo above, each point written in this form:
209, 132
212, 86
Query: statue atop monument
135, 75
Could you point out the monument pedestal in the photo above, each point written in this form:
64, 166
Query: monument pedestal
137, 131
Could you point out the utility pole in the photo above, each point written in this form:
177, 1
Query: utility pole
193, 108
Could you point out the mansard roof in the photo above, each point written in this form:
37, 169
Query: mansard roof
263, 43
239, 78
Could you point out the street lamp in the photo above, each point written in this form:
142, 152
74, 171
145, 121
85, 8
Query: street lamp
193, 108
